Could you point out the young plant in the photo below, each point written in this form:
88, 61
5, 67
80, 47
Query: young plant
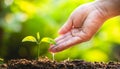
38, 41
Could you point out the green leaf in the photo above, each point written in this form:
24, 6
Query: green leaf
29, 38
38, 36
48, 40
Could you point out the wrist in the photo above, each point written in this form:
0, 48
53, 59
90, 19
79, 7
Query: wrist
111, 7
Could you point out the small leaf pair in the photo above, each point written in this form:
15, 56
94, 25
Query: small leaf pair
33, 39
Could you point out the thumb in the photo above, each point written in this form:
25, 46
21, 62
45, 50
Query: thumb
76, 19
66, 27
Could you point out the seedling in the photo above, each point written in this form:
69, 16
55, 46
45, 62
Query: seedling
38, 41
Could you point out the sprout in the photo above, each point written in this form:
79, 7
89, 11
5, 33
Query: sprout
38, 41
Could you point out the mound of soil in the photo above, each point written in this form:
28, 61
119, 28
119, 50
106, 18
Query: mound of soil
48, 64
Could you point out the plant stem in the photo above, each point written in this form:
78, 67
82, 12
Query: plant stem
38, 51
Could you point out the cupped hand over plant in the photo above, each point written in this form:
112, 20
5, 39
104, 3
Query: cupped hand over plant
84, 22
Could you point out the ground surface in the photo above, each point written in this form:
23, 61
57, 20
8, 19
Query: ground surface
48, 64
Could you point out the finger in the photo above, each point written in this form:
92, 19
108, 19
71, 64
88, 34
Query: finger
62, 36
75, 20
66, 44
65, 38
66, 27
79, 15
62, 40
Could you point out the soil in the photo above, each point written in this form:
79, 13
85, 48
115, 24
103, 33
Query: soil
49, 64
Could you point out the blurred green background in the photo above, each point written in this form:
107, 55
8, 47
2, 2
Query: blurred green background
20, 18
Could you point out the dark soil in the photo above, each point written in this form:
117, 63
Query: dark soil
48, 64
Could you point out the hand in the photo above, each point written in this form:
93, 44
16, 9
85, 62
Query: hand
84, 22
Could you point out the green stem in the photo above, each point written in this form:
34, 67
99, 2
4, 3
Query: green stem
38, 51
38, 43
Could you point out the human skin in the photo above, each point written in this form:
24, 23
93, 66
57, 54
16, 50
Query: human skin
84, 22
